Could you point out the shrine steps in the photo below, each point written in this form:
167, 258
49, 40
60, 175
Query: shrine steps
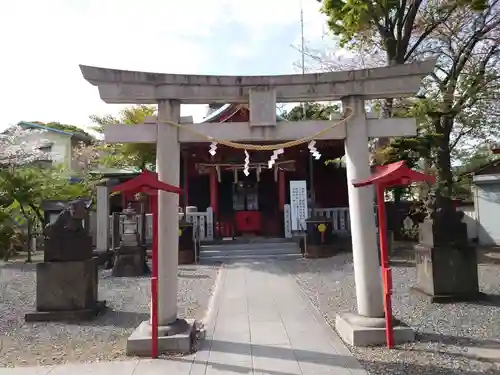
231, 250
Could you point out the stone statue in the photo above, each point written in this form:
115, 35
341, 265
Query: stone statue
68, 278
70, 219
66, 239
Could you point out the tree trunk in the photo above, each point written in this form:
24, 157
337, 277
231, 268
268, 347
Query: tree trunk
426, 168
443, 125
388, 104
37, 213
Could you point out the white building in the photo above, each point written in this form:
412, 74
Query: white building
57, 143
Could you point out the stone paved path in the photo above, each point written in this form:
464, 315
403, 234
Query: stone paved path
261, 323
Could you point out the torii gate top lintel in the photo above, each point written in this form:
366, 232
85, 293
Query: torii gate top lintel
394, 174
133, 87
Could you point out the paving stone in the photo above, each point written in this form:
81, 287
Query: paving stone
261, 324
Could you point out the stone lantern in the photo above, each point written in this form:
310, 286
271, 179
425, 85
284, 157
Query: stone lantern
130, 257
130, 236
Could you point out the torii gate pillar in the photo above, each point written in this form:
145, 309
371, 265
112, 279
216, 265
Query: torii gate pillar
173, 334
367, 327
167, 167
363, 229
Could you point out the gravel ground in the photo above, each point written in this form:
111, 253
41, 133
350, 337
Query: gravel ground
461, 338
98, 340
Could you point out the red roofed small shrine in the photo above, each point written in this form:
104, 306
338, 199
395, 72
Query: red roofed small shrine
386, 176
146, 182
394, 174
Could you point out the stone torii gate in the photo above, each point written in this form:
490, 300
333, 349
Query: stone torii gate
262, 93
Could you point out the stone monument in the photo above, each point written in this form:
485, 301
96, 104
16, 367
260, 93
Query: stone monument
67, 280
445, 261
130, 257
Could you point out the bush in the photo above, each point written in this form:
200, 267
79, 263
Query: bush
12, 240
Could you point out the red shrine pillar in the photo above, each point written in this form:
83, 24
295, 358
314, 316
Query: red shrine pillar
214, 191
282, 190
185, 168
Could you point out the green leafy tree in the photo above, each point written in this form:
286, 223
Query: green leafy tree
399, 28
28, 187
470, 161
313, 111
23, 186
63, 127
138, 155
464, 35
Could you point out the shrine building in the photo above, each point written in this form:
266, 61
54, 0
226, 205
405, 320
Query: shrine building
256, 204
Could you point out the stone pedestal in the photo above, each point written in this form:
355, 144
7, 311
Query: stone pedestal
67, 247
177, 337
447, 274
130, 261
66, 291
319, 238
446, 264
362, 331
186, 243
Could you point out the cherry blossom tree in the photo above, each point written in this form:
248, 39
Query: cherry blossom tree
87, 156
20, 146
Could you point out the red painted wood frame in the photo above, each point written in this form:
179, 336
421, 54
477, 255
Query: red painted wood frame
214, 191
282, 190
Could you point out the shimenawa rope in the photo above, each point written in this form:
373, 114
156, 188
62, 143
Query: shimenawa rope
247, 146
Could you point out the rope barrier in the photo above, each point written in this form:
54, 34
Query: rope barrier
248, 146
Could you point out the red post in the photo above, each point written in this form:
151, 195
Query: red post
214, 191
154, 284
186, 180
186, 189
386, 271
390, 175
148, 182
282, 190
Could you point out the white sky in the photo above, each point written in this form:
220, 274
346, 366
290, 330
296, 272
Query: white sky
43, 42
